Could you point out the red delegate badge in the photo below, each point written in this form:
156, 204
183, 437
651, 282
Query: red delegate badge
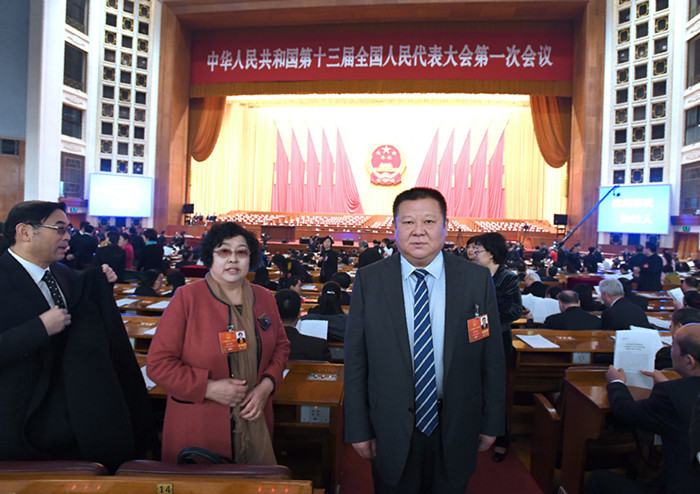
478, 328
232, 341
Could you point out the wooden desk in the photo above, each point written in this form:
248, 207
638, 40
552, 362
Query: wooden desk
138, 485
586, 406
136, 326
301, 396
140, 305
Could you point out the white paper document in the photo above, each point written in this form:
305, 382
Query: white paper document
149, 384
309, 287
129, 291
125, 301
537, 341
659, 323
317, 329
160, 305
667, 340
151, 331
540, 307
677, 294
635, 350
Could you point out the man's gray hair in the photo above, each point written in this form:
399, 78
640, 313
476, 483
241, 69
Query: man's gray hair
612, 287
362, 243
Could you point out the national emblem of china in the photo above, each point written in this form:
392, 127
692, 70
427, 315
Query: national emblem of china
386, 165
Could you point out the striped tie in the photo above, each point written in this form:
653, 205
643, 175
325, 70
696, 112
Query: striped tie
423, 360
53, 288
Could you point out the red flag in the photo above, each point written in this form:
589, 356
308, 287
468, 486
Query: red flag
478, 207
312, 169
279, 183
325, 191
496, 192
461, 191
445, 172
345, 186
295, 192
427, 176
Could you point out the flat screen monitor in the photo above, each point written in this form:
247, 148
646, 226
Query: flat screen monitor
635, 209
120, 196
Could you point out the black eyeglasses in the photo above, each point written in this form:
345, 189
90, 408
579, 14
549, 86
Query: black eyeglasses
61, 229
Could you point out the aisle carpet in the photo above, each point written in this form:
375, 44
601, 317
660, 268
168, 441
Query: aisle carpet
509, 477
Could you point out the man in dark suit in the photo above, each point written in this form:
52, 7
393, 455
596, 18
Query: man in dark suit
649, 273
572, 316
302, 347
667, 412
367, 255
82, 247
621, 313
638, 259
67, 370
424, 387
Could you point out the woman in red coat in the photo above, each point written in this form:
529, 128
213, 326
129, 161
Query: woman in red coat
219, 384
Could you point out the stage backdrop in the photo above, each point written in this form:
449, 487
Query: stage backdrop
350, 153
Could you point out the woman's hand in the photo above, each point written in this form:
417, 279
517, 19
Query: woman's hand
253, 405
228, 392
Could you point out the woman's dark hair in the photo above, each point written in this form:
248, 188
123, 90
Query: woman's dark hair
553, 292
151, 235
223, 231
585, 295
329, 301
176, 279
473, 240
149, 277
125, 236
261, 276
31, 213
343, 279
113, 238
494, 244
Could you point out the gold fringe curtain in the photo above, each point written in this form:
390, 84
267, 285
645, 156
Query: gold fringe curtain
206, 117
551, 118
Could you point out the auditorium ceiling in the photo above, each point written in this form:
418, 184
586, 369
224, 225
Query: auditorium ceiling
221, 14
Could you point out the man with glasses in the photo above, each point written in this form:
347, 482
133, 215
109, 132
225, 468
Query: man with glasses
51, 324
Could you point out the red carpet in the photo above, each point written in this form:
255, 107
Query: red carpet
510, 476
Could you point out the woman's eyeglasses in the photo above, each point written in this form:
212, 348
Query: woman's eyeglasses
225, 252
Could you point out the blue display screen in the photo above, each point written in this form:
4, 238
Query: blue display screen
635, 209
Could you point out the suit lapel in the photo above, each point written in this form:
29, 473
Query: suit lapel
454, 298
392, 289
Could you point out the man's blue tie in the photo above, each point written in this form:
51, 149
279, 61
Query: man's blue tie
423, 360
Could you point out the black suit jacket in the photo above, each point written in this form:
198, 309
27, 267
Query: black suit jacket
114, 256
650, 274
83, 247
75, 395
369, 256
622, 315
666, 412
303, 347
573, 318
329, 265
151, 258
379, 380
538, 289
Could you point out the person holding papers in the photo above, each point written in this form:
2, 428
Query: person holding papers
220, 383
621, 313
667, 412
572, 316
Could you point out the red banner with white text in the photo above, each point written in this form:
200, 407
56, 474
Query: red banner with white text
395, 53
